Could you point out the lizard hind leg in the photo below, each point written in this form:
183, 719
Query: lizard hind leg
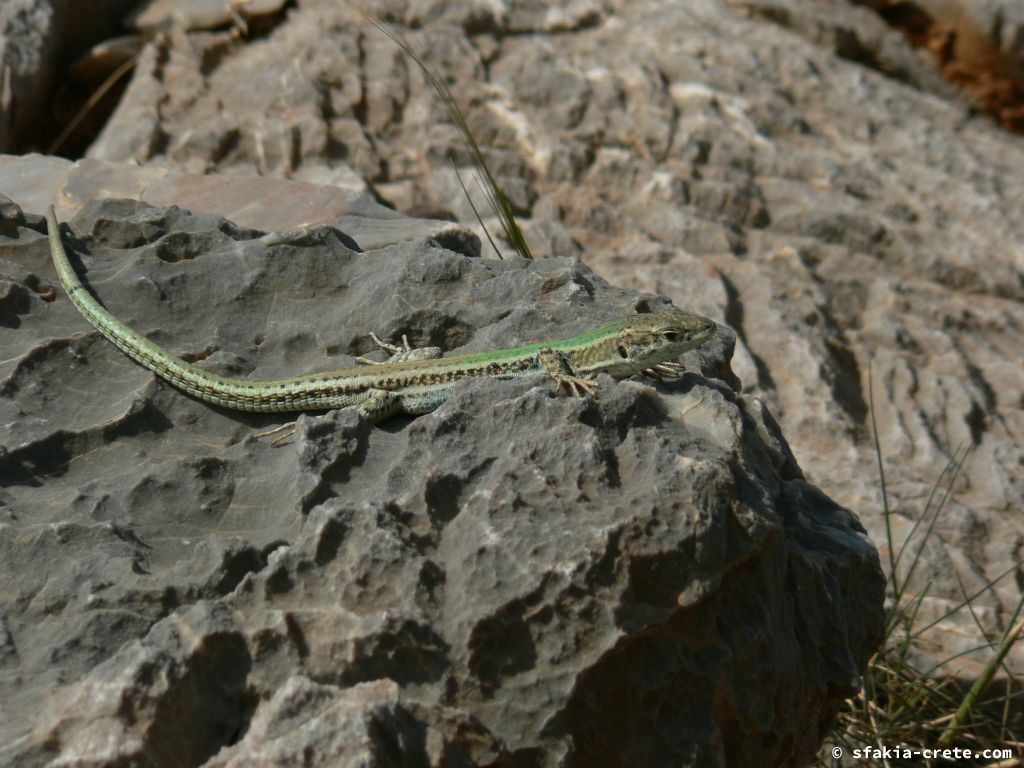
402, 353
379, 405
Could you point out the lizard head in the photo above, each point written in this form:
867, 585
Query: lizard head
647, 341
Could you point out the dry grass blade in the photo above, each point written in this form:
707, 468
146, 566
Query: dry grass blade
495, 196
469, 199
89, 105
881, 470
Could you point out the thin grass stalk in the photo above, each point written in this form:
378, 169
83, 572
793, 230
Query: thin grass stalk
989, 586
966, 652
970, 609
91, 102
957, 466
967, 705
496, 197
924, 515
1004, 721
881, 477
472, 205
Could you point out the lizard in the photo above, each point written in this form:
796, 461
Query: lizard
412, 381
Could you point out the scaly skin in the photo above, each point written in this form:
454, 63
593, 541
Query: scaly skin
413, 381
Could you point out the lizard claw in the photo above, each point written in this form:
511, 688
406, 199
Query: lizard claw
288, 430
663, 371
578, 387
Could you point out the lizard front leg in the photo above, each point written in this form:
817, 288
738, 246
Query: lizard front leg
558, 366
664, 371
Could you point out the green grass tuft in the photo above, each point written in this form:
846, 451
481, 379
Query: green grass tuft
904, 707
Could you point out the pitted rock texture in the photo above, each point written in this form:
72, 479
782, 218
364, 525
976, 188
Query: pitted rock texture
519, 578
793, 168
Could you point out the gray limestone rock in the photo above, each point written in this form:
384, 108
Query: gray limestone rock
791, 167
520, 577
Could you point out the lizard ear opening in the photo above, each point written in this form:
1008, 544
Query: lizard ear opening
623, 352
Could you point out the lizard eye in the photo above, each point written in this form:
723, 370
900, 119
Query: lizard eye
623, 352
670, 335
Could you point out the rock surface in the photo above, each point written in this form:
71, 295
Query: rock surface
517, 578
976, 44
34, 182
36, 38
792, 167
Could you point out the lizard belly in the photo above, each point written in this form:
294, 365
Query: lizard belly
425, 398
